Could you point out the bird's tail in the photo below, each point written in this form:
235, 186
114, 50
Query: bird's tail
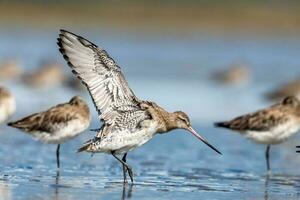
19, 125
222, 124
28, 123
89, 146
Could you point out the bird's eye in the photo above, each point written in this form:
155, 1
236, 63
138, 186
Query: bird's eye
184, 120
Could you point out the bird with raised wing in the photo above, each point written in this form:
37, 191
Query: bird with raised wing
57, 124
127, 121
269, 126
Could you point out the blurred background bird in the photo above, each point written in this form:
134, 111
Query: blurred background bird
48, 75
235, 75
10, 69
7, 104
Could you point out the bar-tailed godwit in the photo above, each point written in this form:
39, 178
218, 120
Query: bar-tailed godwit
127, 121
10, 70
57, 124
235, 75
269, 126
7, 104
47, 76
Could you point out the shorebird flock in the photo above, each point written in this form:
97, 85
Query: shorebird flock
128, 122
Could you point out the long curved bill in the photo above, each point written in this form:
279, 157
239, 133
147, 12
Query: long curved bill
190, 129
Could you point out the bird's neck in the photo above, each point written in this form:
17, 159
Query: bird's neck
166, 120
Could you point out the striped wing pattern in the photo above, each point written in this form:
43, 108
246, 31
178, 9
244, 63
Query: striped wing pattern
101, 75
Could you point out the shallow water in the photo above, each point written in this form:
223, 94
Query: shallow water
173, 71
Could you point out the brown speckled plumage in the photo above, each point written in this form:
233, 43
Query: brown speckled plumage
266, 119
167, 121
46, 121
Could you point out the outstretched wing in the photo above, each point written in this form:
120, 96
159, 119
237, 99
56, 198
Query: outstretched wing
101, 75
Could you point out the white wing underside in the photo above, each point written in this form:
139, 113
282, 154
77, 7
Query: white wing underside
101, 75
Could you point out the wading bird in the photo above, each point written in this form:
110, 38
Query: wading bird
58, 124
127, 121
269, 126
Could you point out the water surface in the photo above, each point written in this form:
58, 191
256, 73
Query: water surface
173, 71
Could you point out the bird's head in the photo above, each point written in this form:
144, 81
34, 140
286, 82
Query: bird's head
76, 100
293, 103
182, 121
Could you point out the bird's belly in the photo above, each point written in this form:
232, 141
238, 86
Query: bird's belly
3, 114
276, 135
62, 133
122, 142
7, 108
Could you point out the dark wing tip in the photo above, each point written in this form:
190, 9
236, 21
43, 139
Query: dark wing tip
10, 124
81, 149
85, 147
64, 34
17, 124
222, 124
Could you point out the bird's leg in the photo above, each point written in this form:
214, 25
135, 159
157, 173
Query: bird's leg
124, 168
57, 156
298, 149
128, 168
267, 157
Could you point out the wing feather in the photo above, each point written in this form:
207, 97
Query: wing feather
99, 72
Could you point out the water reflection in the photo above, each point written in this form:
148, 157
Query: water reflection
56, 186
5, 192
266, 196
129, 191
161, 173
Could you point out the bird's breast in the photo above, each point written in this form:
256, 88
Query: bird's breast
126, 140
275, 135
